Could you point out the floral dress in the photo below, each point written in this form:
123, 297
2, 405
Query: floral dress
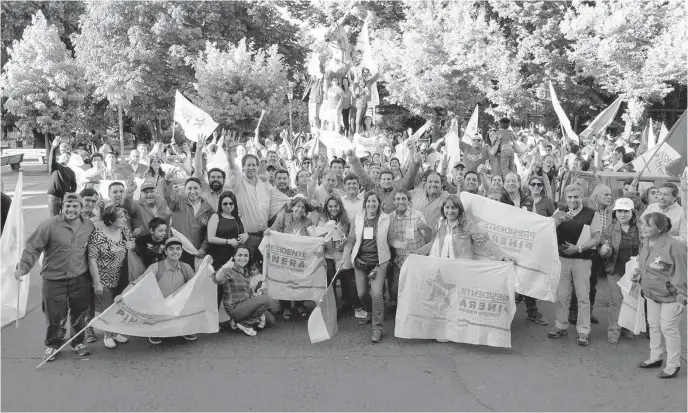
109, 255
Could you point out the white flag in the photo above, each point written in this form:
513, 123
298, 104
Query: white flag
15, 294
563, 120
451, 139
192, 119
471, 128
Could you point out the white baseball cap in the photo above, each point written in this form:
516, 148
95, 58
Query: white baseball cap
624, 204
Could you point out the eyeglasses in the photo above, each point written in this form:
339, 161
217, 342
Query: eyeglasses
227, 203
536, 184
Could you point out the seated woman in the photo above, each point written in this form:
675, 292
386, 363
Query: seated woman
293, 221
243, 303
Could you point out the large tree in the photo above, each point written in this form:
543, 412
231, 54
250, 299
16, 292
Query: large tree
42, 82
235, 84
634, 48
149, 47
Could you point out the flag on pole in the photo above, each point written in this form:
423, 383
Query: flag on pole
11, 245
563, 120
651, 137
471, 127
669, 155
663, 132
602, 121
402, 151
192, 119
451, 139
143, 312
322, 323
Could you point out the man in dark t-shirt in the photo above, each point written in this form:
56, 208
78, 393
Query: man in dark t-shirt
62, 179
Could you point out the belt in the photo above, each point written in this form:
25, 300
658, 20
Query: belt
256, 234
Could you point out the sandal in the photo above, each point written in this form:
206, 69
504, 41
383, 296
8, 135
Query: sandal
286, 315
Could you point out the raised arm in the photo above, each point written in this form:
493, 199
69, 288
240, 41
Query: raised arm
366, 182
410, 178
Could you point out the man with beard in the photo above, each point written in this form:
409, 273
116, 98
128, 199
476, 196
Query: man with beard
282, 185
62, 178
149, 206
66, 278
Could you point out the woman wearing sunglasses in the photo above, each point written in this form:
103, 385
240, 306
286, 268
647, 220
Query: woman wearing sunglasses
542, 204
225, 233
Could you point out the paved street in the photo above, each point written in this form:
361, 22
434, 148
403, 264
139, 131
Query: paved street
280, 370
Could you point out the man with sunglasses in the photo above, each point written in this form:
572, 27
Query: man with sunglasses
476, 154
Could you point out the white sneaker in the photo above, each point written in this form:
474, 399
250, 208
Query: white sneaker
120, 338
360, 313
109, 342
247, 330
261, 321
441, 340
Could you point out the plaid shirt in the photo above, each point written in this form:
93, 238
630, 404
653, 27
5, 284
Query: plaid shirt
236, 285
401, 228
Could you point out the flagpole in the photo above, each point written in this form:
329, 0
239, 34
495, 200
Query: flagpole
16, 323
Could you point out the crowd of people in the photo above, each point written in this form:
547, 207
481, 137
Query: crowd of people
376, 209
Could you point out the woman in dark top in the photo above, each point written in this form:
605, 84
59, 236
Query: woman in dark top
225, 233
619, 242
542, 204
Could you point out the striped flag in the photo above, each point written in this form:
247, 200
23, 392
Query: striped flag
322, 323
669, 155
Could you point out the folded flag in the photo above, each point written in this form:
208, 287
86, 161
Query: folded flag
15, 294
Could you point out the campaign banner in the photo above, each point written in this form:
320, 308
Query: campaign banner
529, 238
294, 266
334, 141
143, 312
464, 301
15, 294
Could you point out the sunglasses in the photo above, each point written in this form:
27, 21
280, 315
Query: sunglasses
227, 203
536, 184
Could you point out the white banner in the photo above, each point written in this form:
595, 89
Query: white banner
294, 266
364, 145
528, 237
15, 294
657, 163
143, 312
192, 119
475, 305
335, 141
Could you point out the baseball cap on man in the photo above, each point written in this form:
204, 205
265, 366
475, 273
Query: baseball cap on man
72, 197
624, 204
147, 185
172, 241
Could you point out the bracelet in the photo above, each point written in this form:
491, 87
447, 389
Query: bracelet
227, 241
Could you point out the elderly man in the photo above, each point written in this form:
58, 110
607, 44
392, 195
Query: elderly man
149, 206
576, 262
133, 168
62, 178
66, 280
600, 200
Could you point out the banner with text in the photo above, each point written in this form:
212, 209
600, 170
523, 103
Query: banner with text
364, 145
528, 237
294, 266
475, 305
143, 312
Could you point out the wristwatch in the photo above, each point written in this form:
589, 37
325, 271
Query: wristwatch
580, 249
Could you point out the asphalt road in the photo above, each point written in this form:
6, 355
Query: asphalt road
280, 370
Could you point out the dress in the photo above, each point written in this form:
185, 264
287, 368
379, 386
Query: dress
226, 229
109, 255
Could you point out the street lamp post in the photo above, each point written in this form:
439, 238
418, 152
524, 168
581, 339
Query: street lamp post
290, 96
117, 96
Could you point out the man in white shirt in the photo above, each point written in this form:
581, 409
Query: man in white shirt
667, 205
353, 201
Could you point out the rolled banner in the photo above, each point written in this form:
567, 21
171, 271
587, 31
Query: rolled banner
186, 244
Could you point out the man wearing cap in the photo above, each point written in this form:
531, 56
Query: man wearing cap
149, 206
477, 153
62, 178
171, 274
66, 280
